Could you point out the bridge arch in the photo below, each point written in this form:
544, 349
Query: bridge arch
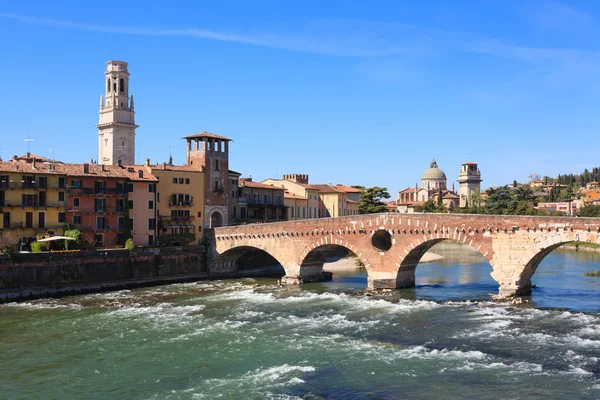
245, 257
535, 254
314, 256
414, 251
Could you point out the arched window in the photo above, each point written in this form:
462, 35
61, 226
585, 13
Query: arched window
108, 85
121, 85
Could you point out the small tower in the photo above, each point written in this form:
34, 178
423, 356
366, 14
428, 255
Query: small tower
210, 153
116, 127
469, 179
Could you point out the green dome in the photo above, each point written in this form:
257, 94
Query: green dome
433, 173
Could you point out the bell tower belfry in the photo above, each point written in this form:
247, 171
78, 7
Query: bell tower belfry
469, 180
116, 126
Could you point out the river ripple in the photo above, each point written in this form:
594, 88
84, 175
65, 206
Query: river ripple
232, 340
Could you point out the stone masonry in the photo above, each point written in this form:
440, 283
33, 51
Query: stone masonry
391, 245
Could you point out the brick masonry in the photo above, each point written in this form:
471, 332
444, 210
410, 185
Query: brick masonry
513, 245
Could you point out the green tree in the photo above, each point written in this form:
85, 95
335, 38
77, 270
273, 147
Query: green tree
371, 199
130, 244
589, 211
429, 206
75, 234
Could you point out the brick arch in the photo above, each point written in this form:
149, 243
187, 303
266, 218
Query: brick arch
336, 242
415, 249
527, 265
227, 260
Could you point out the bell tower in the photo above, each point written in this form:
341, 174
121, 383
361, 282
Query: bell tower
116, 126
469, 180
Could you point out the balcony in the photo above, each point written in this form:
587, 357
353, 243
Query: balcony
97, 210
177, 218
35, 204
24, 186
188, 203
97, 191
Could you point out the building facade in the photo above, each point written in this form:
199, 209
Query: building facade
265, 203
142, 200
210, 153
32, 201
116, 125
97, 203
179, 203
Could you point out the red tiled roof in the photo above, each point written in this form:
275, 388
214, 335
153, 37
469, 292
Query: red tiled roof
94, 170
34, 156
325, 188
450, 195
175, 168
469, 163
410, 190
289, 195
205, 134
351, 201
257, 185
28, 168
347, 189
133, 173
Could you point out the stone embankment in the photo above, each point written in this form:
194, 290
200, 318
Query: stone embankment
36, 275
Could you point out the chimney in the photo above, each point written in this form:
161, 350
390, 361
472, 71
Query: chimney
86, 168
102, 167
170, 160
119, 162
147, 162
164, 166
33, 163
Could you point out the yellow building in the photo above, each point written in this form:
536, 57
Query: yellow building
334, 202
32, 201
296, 206
264, 203
297, 184
180, 203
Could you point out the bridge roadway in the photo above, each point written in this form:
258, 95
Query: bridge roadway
390, 245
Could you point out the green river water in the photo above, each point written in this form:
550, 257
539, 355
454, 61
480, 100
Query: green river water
249, 339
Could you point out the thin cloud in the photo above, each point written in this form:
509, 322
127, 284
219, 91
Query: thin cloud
559, 16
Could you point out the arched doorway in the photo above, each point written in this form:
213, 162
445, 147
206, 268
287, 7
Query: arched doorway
216, 220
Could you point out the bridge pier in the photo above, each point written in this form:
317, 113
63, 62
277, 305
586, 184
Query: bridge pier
516, 289
305, 274
402, 279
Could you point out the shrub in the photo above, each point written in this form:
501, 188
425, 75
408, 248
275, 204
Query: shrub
37, 247
130, 244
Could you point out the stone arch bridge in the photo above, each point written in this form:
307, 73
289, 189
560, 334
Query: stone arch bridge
391, 245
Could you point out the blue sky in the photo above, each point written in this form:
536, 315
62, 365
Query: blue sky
347, 92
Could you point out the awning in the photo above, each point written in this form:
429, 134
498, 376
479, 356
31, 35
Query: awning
55, 238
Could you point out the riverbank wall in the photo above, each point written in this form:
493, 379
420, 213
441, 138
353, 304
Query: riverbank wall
36, 275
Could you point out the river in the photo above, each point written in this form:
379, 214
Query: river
249, 339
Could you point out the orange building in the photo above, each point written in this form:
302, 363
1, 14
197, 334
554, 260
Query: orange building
97, 202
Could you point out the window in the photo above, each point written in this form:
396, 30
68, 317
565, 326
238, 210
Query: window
108, 85
187, 181
75, 184
216, 186
121, 223
130, 188
267, 199
6, 222
100, 223
62, 217
99, 187
76, 202
98, 240
150, 204
292, 210
150, 240
130, 224
29, 200
2, 198
152, 187
61, 196
216, 165
120, 205
42, 182
303, 212
309, 212
181, 181
199, 214
175, 180
256, 198
130, 204
278, 200
199, 229
233, 212
76, 219
4, 181
121, 85
100, 205
151, 224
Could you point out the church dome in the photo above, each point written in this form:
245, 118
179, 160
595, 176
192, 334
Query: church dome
433, 173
